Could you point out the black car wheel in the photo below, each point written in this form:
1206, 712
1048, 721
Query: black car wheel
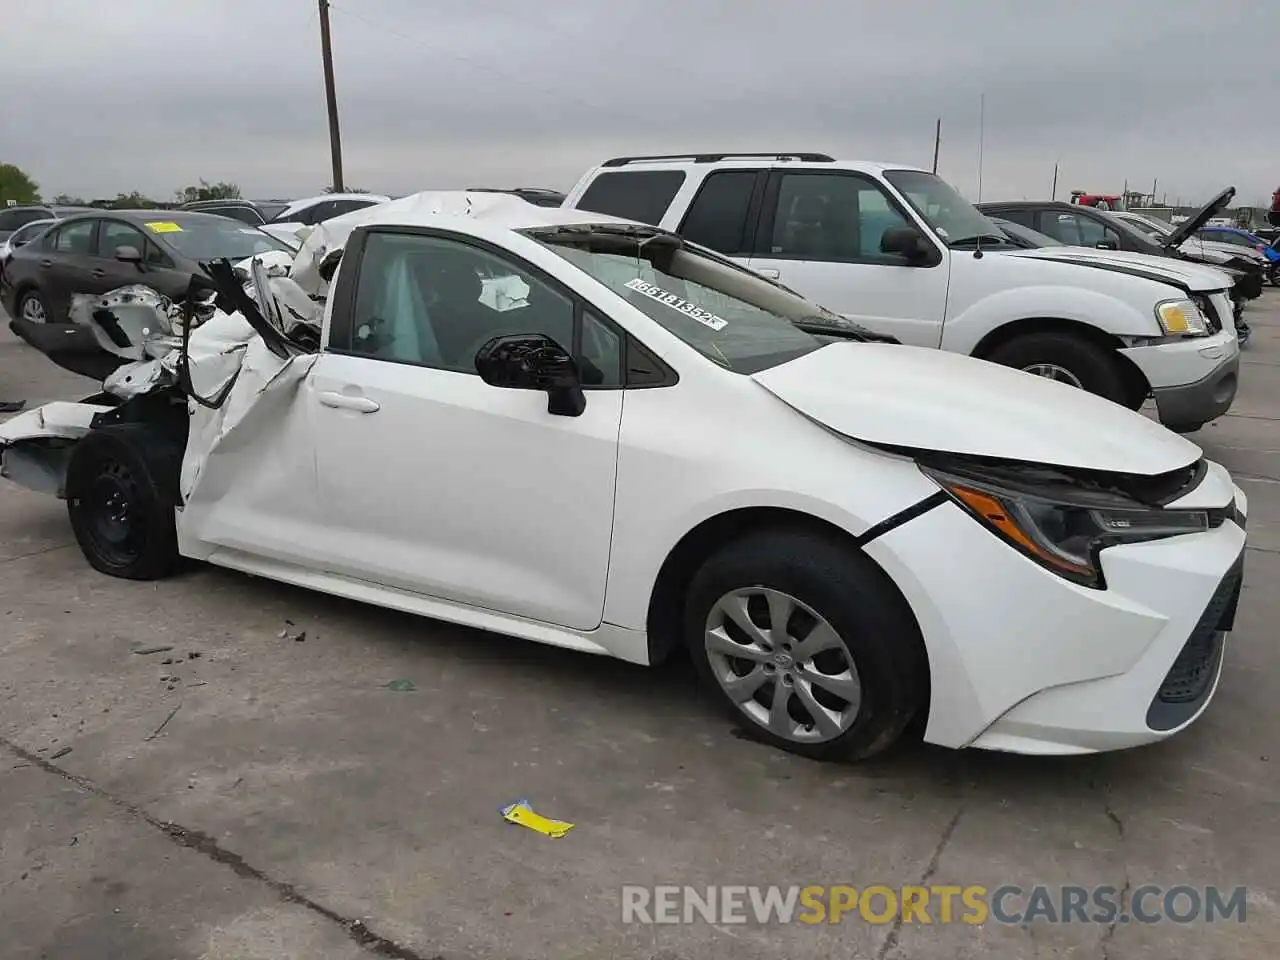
31, 307
1067, 358
121, 495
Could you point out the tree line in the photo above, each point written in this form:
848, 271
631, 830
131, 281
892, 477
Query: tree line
17, 187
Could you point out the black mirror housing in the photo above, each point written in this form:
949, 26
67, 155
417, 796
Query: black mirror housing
907, 242
531, 361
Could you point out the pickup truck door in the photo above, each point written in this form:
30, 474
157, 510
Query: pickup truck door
819, 233
435, 482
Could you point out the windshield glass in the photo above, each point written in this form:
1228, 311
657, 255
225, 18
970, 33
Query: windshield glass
271, 209
1129, 229
1033, 237
1148, 224
214, 238
953, 218
730, 315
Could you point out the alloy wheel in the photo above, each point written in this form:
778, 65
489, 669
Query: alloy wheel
33, 310
783, 665
1051, 371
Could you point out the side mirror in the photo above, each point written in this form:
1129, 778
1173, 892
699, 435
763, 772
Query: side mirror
1107, 245
129, 255
530, 361
908, 243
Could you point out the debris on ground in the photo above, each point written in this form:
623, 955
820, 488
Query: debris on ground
402, 686
522, 814
288, 633
172, 713
61, 753
147, 651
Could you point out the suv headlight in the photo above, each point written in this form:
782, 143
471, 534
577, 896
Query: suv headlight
1060, 535
1181, 318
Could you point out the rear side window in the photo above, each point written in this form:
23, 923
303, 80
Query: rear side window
718, 216
641, 195
1020, 215
347, 206
13, 219
75, 238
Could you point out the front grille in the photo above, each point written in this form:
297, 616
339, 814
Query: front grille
1190, 678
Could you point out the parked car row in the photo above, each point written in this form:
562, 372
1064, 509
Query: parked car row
845, 535
900, 252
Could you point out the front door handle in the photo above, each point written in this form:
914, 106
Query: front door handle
343, 401
769, 273
46, 264
97, 273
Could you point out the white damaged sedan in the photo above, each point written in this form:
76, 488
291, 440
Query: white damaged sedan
587, 432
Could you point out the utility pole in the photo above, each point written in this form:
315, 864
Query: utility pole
937, 142
1053, 195
331, 95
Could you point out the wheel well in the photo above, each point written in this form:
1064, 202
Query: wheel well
1136, 384
666, 603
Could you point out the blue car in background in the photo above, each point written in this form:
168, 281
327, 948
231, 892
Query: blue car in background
1240, 237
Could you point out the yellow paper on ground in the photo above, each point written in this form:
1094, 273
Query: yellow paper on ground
521, 813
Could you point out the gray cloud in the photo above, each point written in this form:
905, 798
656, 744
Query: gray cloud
107, 97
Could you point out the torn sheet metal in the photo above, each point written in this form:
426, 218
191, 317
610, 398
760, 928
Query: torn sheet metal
35, 446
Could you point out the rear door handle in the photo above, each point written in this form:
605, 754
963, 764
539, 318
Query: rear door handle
46, 264
769, 273
344, 402
97, 273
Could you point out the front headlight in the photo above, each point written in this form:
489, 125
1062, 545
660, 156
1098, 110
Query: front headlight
1181, 318
1062, 536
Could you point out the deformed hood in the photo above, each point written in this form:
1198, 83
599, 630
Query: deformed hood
929, 399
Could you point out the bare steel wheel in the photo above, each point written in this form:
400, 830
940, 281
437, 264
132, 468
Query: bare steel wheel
806, 642
783, 664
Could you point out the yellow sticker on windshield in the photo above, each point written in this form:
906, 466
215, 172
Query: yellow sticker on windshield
164, 226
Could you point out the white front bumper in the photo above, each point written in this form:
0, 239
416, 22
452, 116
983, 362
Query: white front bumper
1182, 362
1023, 660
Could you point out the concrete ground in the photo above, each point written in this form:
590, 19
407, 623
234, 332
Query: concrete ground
242, 794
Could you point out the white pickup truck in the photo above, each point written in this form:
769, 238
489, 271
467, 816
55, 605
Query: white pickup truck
898, 250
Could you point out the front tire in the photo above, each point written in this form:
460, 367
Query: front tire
1067, 358
121, 496
807, 644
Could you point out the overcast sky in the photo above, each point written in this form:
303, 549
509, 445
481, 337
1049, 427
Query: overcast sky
105, 96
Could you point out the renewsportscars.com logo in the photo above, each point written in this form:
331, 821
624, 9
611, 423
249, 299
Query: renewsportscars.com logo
972, 904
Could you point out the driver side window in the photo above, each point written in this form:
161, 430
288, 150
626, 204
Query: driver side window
435, 302
833, 217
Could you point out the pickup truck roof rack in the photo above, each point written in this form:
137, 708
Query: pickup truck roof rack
714, 157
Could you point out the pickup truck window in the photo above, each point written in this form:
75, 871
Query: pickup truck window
717, 218
834, 217
729, 315
953, 218
640, 195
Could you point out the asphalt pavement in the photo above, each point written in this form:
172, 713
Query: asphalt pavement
296, 776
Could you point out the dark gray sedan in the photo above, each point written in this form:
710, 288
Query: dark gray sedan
100, 251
